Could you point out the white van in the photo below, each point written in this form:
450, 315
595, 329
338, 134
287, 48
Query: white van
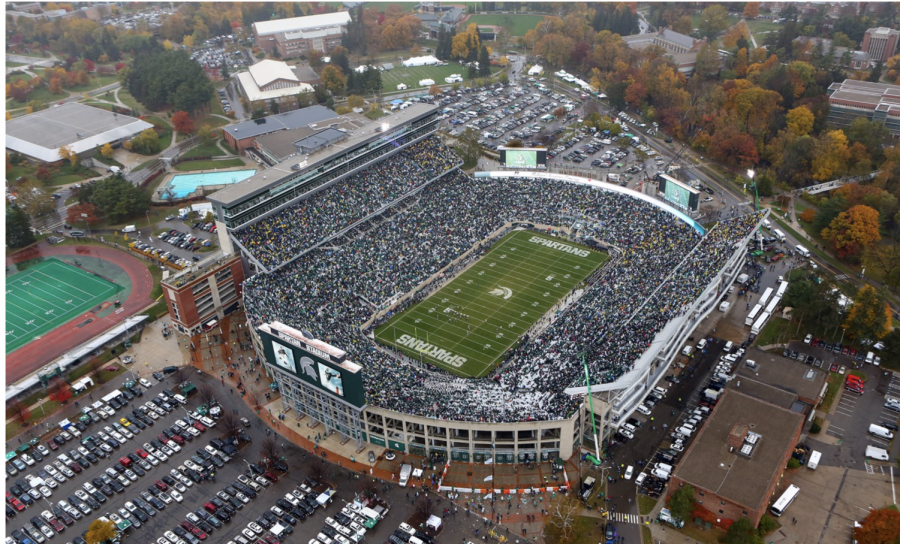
688, 350
778, 234
742, 278
877, 453
814, 458
880, 431
663, 475
660, 390
685, 431
129, 228
724, 306
728, 346
664, 467
180, 399
701, 345
870, 357
802, 251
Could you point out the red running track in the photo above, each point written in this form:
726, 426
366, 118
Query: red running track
34, 355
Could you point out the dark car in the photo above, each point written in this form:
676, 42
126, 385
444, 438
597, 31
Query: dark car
889, 425
280, 466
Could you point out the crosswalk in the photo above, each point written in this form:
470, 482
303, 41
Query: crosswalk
625, 518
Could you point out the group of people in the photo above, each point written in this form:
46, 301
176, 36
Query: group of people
281, 236
661, 265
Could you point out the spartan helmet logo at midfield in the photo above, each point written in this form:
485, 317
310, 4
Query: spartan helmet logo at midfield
306, 365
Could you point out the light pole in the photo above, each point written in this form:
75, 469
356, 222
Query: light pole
87, 225
752, 173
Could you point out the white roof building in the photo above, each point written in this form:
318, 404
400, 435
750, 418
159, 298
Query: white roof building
421, 61
270, 79
297, 24
83, 128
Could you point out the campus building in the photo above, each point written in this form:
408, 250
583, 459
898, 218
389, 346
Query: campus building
850, 99
682, 49
299, 35
271, 80
201, 296
83, 128
242, 136
739, 456
880, 43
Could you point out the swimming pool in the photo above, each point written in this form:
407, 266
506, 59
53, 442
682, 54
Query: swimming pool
183, 185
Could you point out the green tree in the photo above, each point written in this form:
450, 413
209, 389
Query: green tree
682, 503
484, 62
468, 147
18, 228
171, 78
207, 134
713, 20
117, 198
828, 210
147, 142
100, 531
742, 531
869, 318
36, 201
884, 258
871, 134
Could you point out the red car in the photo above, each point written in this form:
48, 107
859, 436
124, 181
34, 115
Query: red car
188, 526
125, 462
57, 525
853, 353
14, 502
199, 426
53, 445
178, 440
834, 367
271, 476
75, 467
142, 453
161, 485
210, 507
162, 438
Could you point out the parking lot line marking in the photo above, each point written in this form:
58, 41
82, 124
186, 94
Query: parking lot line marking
836, 427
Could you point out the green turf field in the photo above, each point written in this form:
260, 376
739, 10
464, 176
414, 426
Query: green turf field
412, 75
469, 324
47, 295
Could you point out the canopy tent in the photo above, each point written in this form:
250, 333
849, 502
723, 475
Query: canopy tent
421, 61
434, 522
396, 101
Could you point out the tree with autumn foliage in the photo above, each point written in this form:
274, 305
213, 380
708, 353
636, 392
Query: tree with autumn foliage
182, 122
852, 231
880, 526
77, 213
870, 316
751, 10
333, 79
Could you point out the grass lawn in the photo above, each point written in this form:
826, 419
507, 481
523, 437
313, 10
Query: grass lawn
188, 166
472, 321
521, 23
646, 504
774, 332
65, 179
732, 19
411, 76
205, 150
21, 171
711, 536
646, 535
377, 114
212, 121
94, 83
833, 381
10, 64
126, 98
215, 105
762, 25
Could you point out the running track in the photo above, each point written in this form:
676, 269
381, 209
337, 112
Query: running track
35, 355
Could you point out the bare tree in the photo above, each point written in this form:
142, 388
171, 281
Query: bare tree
96, 366
230, 424
560, 525
207, 394
425, 505
269, 450
254, 402
180, 374
368, 488
316, 471
18, 411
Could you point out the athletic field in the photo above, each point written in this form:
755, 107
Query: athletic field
468, 325
47, 295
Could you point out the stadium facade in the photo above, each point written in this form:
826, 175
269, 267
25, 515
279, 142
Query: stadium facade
318, 380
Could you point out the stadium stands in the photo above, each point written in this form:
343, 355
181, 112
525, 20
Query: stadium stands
331, 292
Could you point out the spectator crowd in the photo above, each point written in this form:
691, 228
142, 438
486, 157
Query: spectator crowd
661, 265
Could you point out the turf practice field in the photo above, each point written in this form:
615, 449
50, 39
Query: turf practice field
469, 324
47, 295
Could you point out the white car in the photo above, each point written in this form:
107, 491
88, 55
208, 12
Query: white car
629, 472
153, 460
241, 497
180, 487
131, 475
171, 536
43, 450
277, 511
123, 480
176, 495
192, 517
626, 433
643, 410
165, 497
639, 481
172, 445
88, 487
255, 528
145, 382
45, 491
249, 534
678, 446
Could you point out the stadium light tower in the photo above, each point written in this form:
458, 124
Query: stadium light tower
752, 173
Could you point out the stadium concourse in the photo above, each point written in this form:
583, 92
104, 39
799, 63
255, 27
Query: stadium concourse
663, 266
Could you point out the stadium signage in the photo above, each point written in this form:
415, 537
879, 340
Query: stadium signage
431, 350
559, 246
336, 356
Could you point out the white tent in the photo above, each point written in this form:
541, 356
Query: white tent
426, 82
427, 60
535, 70
434, 522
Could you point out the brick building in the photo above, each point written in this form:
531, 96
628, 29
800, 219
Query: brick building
201, 296
739, 456
242, 136
850, 99
880, 43
299, 35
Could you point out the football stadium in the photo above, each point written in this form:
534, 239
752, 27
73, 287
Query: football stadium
404, 303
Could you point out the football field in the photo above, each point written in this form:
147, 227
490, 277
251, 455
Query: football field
47, 295
469, 324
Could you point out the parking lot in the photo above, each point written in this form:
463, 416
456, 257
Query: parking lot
171, 223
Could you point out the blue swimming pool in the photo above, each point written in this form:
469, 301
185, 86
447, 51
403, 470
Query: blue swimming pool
183, 185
